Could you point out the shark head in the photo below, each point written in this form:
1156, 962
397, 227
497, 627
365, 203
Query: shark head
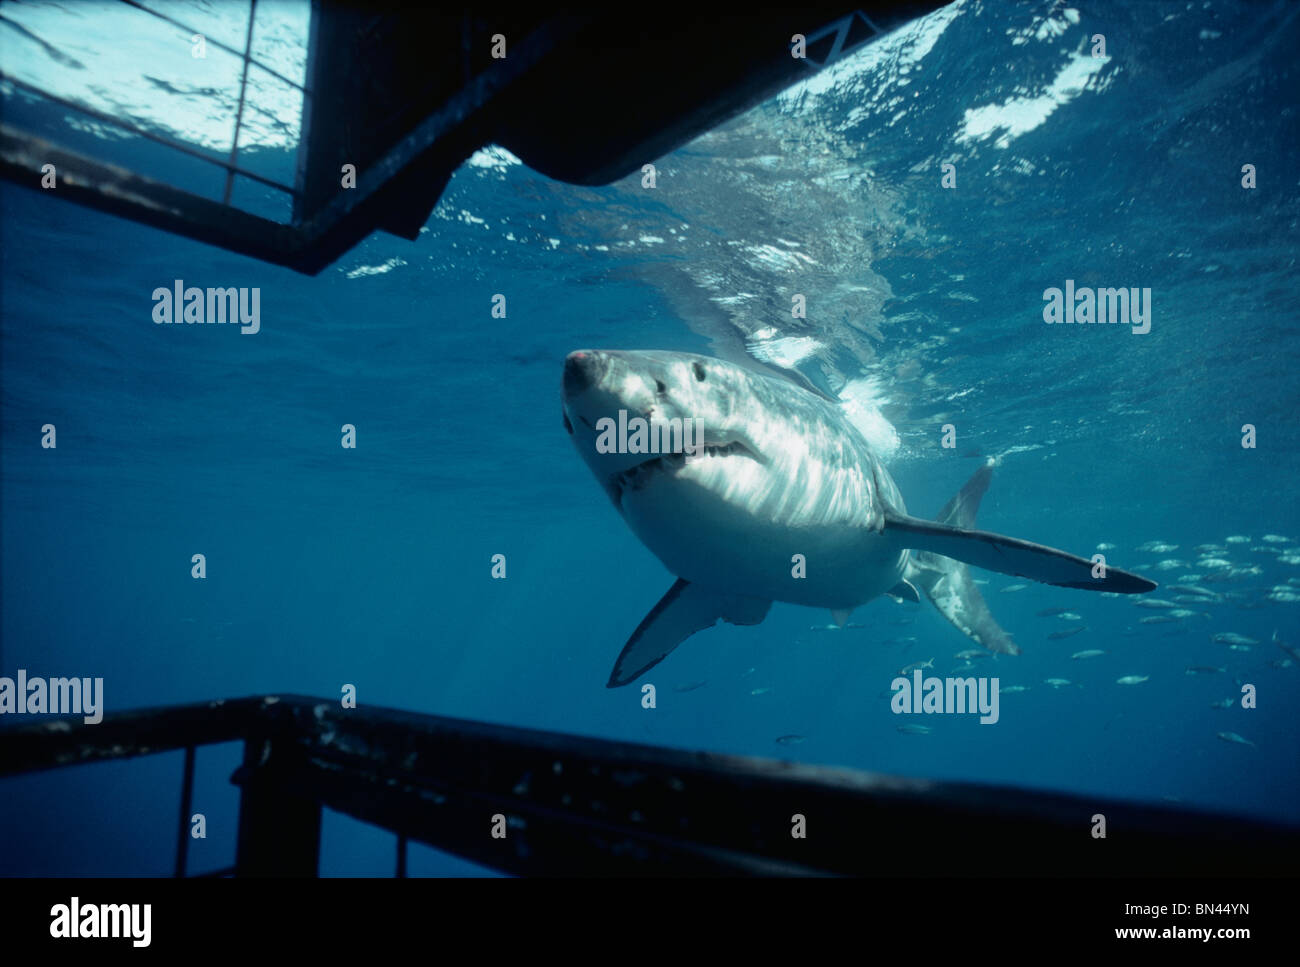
642, 418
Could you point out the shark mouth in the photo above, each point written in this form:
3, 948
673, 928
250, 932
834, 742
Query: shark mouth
638, 477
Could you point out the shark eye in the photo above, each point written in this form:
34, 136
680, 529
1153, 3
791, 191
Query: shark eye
699, 371
660, 388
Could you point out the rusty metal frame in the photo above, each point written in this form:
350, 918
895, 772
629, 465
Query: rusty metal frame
525, 102
571, 805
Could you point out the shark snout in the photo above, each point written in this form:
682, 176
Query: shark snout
582, 370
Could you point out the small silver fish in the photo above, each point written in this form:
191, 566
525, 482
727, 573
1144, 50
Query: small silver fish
1276, 539
908, 669
1156, 619
1153, 603
1013, 689
915, 729
1193, 589
760, 691
790, 739
1239, 647
971, 653
1105, 547
1088, 653
1013, 587
1291, 650
1203, 670
1057, 682
1052, 612
1232, 638
689, 686
1235, 738
1132, 679
1067, 633
1224, 703
1237, 539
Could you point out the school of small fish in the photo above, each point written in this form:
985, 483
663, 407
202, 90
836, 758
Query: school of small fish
1188, 602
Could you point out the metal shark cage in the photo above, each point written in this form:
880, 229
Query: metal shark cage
581, 806
406, 93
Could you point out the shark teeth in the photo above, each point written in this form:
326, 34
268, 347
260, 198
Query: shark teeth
637, 477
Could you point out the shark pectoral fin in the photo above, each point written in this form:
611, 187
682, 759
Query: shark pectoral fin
903, 591
1010, 555
684, 610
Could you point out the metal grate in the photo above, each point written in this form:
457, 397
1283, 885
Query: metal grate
188, 149
246, 53
229, 162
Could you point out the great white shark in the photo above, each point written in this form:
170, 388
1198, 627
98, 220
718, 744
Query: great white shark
782, 499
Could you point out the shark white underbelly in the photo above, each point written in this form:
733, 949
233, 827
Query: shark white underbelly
716, 542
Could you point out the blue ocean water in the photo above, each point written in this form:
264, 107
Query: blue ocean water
371, 566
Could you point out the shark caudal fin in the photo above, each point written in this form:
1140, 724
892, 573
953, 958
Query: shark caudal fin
948, 582
1006, 555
